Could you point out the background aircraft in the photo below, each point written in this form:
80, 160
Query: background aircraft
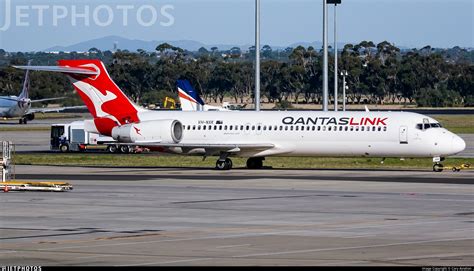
190, 99
20, 106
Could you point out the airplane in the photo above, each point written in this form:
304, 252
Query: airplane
190, 99
20, 106
255, 135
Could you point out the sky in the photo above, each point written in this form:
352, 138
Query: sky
408, 23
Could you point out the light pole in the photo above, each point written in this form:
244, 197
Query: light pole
344, 87
257, 55
336, 74
325, 55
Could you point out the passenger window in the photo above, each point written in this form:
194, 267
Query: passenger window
373, 128
231, 127
291, 128
313, 128
346, 128
324, 128
352, 128
259, 128
194, 127
385, 128
297, 128
199, 127
215, 127
286, 128
357, 128
220, 127
362, 128
329, 128
341, 128
319, 128
269, 128
380, 129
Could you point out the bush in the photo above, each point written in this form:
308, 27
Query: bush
441, 97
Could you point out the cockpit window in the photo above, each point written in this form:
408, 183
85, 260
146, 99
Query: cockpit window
419, 126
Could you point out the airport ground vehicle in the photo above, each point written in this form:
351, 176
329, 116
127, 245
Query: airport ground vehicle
72, 137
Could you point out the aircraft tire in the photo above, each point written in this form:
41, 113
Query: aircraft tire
255, 163
438, 167
224, 165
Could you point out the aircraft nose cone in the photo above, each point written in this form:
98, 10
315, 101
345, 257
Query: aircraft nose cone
458, 144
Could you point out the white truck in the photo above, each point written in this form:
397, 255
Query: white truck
72, 137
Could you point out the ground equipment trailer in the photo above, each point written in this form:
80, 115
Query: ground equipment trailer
72, 137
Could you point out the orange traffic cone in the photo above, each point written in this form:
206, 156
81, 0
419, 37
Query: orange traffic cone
5, 188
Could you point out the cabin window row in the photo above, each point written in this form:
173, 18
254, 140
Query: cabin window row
284, 128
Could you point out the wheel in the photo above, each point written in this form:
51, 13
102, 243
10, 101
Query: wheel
255, 163
221, 165
224, 165
229, 163
64, 148
20, 121
112, 148
124, 149
454, 169
25, 121
438, 168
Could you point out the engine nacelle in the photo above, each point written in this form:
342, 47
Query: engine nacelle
163, 131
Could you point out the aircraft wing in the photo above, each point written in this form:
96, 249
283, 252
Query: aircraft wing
56, 109
207, 149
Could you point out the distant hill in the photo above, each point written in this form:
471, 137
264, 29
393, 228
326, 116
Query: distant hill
107, 43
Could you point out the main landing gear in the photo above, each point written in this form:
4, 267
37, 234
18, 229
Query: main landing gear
255, 162
225, 163
23, 120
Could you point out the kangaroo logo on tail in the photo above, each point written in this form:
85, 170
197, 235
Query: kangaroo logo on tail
104, 99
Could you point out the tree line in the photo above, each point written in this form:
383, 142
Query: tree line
377, 74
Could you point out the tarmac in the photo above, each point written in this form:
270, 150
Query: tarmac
201, 217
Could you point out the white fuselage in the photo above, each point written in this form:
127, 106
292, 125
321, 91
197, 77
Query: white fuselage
13, 109
317, 133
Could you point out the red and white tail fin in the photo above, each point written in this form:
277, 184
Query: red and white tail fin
106, 102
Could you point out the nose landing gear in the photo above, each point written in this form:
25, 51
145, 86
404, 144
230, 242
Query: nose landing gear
438, 167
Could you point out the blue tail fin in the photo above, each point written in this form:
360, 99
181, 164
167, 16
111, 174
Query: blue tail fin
187, 92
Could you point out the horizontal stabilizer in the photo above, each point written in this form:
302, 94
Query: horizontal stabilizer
48, 99
61, 69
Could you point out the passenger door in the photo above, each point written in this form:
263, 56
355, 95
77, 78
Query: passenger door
403, 135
